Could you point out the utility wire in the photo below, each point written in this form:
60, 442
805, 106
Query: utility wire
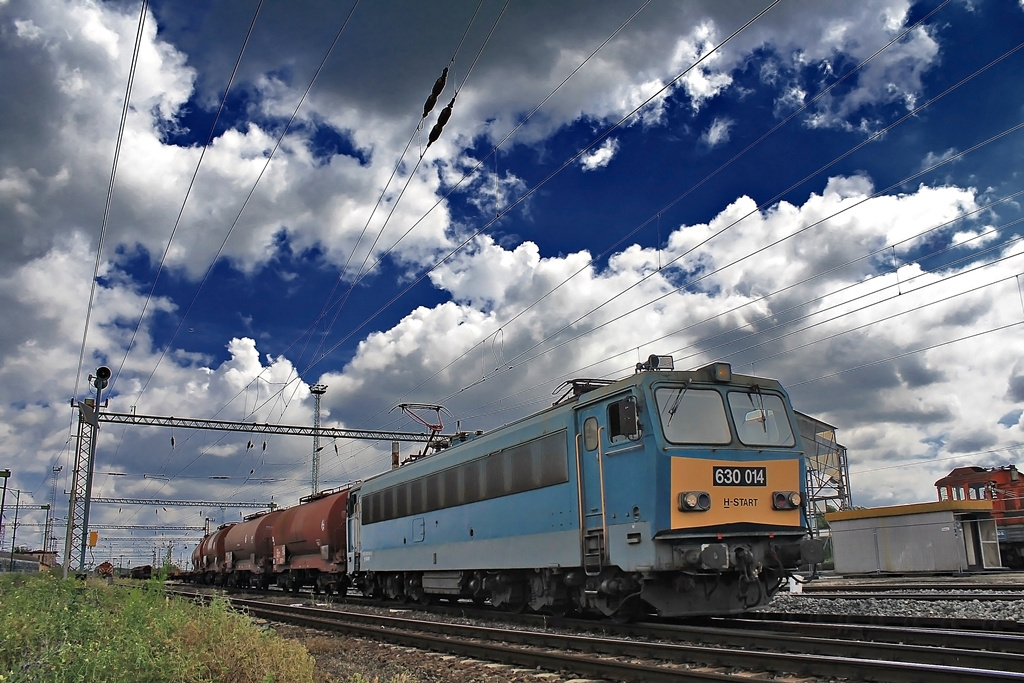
758, 208
540, 184
806, 105
380, 200
252, 190
106, 216
619, 371
412, 174
479, 164
494, 151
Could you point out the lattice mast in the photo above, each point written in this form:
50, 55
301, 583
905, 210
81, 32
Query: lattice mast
317, 390
81, 487
49, 540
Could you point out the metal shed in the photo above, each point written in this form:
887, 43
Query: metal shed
944, 536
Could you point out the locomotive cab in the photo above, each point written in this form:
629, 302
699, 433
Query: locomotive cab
692, 494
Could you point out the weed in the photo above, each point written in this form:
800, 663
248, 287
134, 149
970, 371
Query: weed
65, 630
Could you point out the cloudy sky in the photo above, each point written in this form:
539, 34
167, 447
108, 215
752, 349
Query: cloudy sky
826, 193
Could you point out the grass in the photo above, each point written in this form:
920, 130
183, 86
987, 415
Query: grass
65, 630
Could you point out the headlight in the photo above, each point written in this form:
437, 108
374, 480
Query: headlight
786, 500
694, 501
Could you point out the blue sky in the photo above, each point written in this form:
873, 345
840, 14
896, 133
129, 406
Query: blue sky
616, 179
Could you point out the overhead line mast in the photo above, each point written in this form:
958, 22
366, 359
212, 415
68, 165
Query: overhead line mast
318, 390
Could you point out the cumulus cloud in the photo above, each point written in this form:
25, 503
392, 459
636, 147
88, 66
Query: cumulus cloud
600, 156
496, 325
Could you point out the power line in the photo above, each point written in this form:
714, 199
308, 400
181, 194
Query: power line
252, 190
806, 105
181, 209
705, 275
341, 302
545, 180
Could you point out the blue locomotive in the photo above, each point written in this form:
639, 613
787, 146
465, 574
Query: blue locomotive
677, 493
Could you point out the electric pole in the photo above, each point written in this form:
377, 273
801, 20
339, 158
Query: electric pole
317, 390
85, 462
48, 539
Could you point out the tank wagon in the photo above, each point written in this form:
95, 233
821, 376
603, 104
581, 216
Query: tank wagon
209, 558
299, 546
248, 551
309, 543
678, 493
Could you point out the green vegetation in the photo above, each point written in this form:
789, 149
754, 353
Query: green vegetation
65, 630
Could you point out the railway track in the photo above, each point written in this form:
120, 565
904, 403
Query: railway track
813, 587
911, 595
722, 649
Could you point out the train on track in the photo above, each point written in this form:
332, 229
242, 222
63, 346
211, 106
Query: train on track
1005, 488
668, 492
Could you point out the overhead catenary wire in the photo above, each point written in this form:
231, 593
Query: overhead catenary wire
877, 52
181, 209
435, 92
774, 199
699, 343
519, 125
110, 191
807, 104
281, 137
94, 281
363, 270
494, 151
481, 162
445, 115
177, 222
252, 190
551, 175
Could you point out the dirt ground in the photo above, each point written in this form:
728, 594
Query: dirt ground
344, 659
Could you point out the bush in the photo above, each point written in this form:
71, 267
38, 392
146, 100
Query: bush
65, 630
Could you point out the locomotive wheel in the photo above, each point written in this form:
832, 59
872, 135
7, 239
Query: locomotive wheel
510, 597
560, 609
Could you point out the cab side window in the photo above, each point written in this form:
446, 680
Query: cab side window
590, 433
622, 420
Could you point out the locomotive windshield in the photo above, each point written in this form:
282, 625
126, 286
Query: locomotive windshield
698, 416
692, 415
760, 419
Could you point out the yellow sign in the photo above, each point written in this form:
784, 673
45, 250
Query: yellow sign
741, 492
94, 537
